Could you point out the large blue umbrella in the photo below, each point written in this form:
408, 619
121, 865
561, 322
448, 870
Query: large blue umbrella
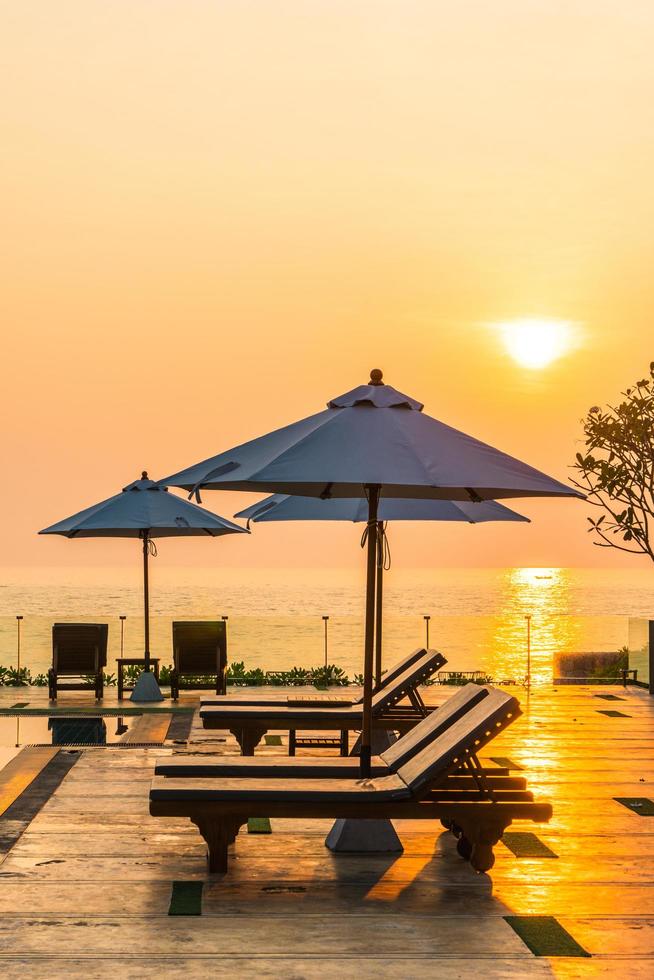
144, 509
282, 507
371, 441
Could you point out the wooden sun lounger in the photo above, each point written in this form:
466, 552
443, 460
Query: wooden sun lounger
426, 787
249, 723
329, 700
392, 759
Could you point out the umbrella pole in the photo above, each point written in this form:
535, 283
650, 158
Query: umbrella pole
146, 600
147, 687
378, 613
368, 664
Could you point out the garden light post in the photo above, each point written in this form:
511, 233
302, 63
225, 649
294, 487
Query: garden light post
426, 619
528, 618
18, 621
122, 635
224, 619
325, 620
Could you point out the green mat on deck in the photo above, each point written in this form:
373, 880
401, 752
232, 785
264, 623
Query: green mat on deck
186, 898
259, 825
614, 714
545, 936
272, 739
505, 763
637, 804
20, 704
524, 843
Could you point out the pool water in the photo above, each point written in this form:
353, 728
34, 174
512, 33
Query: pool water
60, 729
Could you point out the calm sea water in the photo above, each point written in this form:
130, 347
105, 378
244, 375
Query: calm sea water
478, 615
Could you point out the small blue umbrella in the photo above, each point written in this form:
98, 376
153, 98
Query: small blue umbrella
282, 507
144, 510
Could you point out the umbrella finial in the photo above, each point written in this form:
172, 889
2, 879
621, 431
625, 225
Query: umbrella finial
144, 474
376, 377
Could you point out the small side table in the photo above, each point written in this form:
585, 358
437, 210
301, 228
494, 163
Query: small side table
122, 662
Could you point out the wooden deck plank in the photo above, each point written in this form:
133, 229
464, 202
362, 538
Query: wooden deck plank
93, 872
23, 769
148, 728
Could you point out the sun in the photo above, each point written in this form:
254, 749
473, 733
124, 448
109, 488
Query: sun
536, 343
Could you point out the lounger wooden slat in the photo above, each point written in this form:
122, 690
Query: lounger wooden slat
281, 767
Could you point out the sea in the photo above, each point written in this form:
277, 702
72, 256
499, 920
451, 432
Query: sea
478, 618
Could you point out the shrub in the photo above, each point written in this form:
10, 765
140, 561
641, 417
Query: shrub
13, 677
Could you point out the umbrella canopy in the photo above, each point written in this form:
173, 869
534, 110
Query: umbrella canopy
282, 507
143, 506
372, 435
144, 510
371, 440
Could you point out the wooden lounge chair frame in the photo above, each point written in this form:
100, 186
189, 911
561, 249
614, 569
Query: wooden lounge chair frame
391, 675
79, 650
445, 782
199, 649
249, 723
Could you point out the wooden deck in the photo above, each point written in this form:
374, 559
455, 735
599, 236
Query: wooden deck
85, 890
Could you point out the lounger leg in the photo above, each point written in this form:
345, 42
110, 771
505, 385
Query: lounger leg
479, 839
345, 742
218, 835
248, 738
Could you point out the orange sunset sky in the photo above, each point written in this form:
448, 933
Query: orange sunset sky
217, 214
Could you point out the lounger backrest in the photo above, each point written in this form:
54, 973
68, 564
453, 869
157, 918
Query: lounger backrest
400, 667
467, 735
414, 675
200, 647
79, 648
433, 725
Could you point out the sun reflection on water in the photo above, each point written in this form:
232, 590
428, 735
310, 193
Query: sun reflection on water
539, 593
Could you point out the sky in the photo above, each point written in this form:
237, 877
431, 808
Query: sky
218, 215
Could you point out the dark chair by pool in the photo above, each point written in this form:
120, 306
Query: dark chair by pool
199, 650
79, 651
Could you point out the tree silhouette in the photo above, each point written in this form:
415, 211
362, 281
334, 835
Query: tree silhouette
617, 470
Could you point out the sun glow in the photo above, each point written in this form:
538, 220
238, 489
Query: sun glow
536, 343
